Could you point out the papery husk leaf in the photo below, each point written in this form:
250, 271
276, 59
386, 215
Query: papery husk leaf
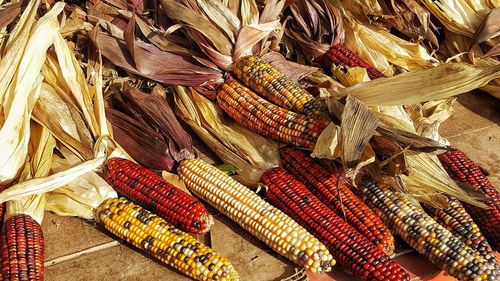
489, 28
42, 145
249, 12
412, 141
392, 160
351, 77
272, 11
361, 8
19, 97
357, 128
432, 114
143, 143
249, 152
252, 34
440, 82
8, 13
75, 22
199, 22
55, 115
380, 48
294, 71
495, 51
327, 146
222, 15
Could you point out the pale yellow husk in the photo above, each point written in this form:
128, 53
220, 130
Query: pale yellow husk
250, 153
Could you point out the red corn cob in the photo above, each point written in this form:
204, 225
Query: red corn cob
456, 219
327, 187
152, 192
2, 208
349, 247
21, 246
464, 170
338, 54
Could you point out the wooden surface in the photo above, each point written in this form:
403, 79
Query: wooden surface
474, 128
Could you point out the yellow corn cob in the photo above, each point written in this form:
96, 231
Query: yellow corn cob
261, 219
155, 236
272, 84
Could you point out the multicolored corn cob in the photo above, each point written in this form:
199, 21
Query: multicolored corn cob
152, 192
338, 197
21, 246
338, 54
272, 84
425, 235
163, 241
349, 247
456, 219
257, 216
260, 116
463, 169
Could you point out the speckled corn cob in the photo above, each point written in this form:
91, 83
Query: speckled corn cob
349, 247
338, 54
338, 197
255, 215
272, 84
259, 115
163, 241
21, 246
463, 169
425, 235
152, 192
456, 219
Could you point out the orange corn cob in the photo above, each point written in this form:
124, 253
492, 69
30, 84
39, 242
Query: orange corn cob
349, 247
272, 84
338, 197
259, 115
152, 192
338, 54
21, 246
463, 169
456, 219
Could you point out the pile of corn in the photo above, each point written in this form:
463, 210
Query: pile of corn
332, 108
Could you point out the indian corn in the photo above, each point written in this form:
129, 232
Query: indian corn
255, 215
338, 54
349, 247
21, 246
463, 169
456, 219
425, 235
152, 192
163, 241
338, 197
260, 116
272, 84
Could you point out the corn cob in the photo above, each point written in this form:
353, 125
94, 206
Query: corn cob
21, 245
426, 236
349, 247
463, 169
456, 219
152, 192
267, 119
2, 208
272, 84
255, 215
163, 241
338, 54
338, 197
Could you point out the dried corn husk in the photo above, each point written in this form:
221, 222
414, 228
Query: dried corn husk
20, 84
249, 152
381, 49
440, 82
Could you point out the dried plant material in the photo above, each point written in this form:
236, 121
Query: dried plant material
412, 141
142, 143
327, 146
78, 196
440, 82
175, 181
429, 117
489, 28
381, 49
37, 165
75, 22
357, 128
20, 83
390, 156
157, 112
8, 13
249, 152
361, 8
294, 71
351, 77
